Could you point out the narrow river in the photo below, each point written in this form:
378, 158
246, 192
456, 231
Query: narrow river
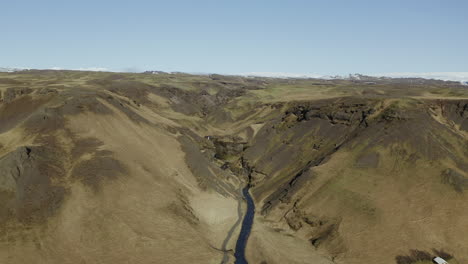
239, 254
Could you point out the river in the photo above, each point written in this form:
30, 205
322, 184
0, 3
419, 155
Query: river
239, 254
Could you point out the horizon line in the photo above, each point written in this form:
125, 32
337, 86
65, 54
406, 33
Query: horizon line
444, 76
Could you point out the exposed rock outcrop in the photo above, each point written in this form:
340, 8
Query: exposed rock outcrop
29, 184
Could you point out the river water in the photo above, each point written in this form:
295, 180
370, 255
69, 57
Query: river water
239, 254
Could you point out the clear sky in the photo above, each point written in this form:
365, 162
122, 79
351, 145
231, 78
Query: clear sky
237, 36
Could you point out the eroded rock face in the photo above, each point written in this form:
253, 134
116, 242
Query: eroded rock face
11, 93
34, 179
308, 133
28, 184
457, 112
455, 179
228, 149
337, 113
321, 231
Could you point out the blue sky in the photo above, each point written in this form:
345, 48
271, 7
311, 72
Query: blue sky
237, 36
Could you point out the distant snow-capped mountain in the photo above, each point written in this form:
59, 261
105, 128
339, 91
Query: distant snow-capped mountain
286, 75
5, 69
445, 76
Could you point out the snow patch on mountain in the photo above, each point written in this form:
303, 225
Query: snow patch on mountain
7, 69
445, 76
286, 75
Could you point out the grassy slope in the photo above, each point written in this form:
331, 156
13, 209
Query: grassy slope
130, 194
380, 194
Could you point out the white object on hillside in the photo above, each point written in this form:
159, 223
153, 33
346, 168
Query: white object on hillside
440, 260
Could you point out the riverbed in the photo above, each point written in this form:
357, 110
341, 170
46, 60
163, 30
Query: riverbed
241, 244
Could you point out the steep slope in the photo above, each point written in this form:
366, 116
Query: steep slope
363, 181
89, 175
